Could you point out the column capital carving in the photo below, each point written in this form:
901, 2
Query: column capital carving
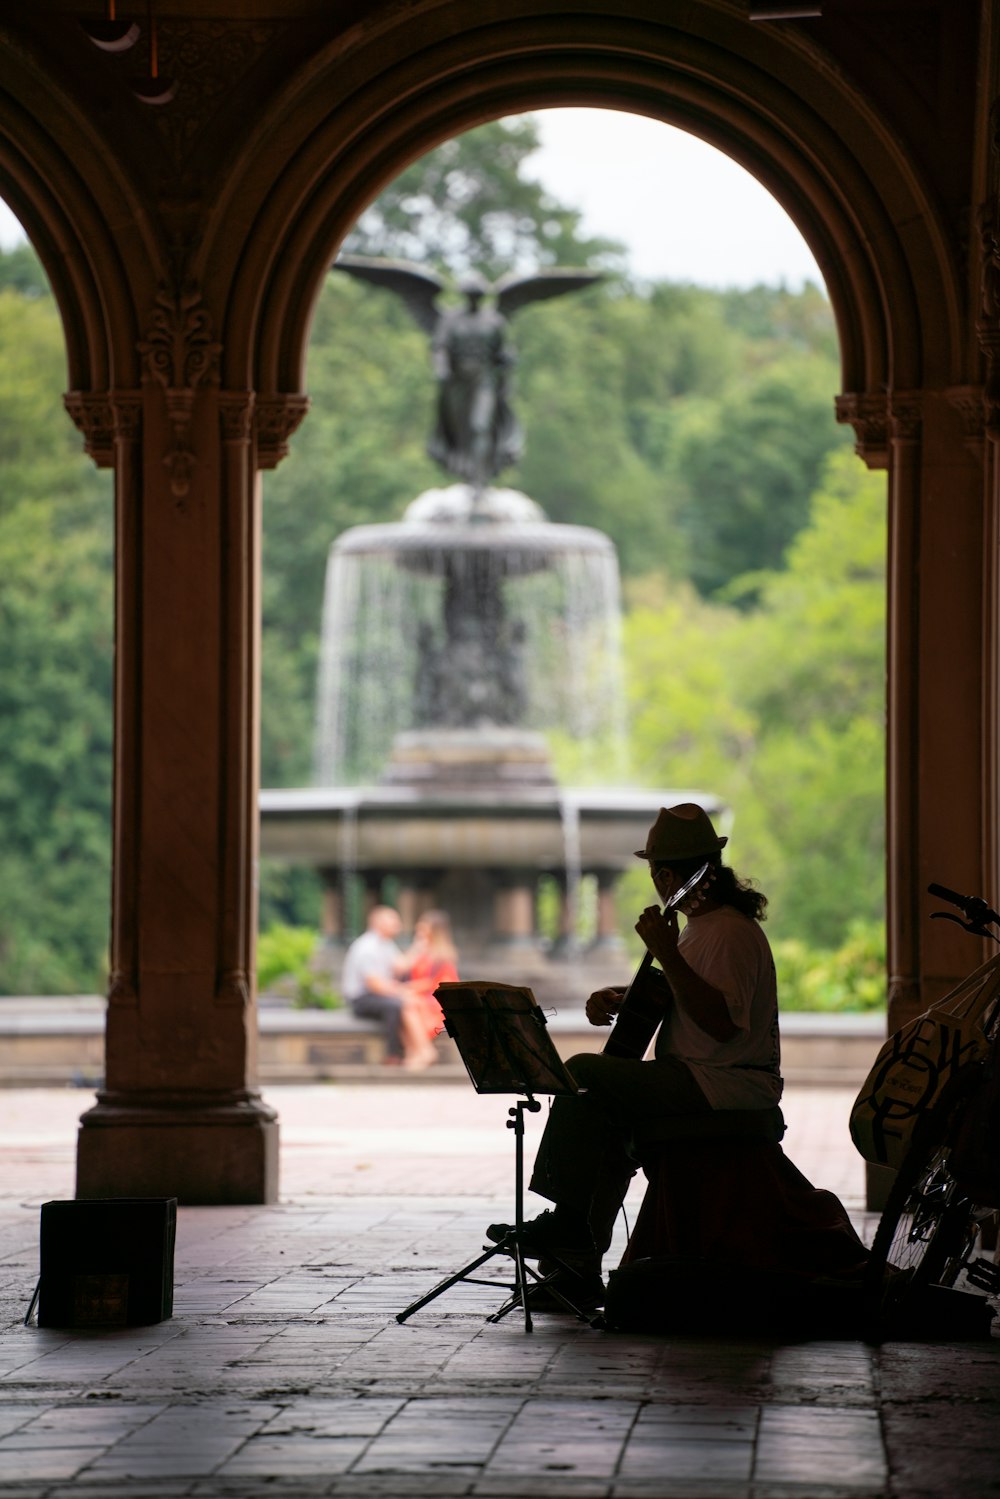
236, 410
869, 416
277, 418
969, 401
906, 415
179, 354
105, 417
178, 351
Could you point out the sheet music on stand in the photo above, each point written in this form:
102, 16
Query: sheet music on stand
502, 1037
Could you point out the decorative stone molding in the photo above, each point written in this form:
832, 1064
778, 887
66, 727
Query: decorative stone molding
180, 354
969, 402
906, 415
236, 409
869, 416
103, 418
210, 59
277, 418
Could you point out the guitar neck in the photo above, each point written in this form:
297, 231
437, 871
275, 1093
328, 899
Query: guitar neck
640, 1014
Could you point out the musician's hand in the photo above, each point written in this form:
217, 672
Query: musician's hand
603, 1004
659, 931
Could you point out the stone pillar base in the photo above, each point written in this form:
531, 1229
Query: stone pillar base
202, 1149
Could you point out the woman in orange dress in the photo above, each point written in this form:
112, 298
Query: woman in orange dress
430, 960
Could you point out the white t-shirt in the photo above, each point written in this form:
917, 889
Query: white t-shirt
730, 952
369, 953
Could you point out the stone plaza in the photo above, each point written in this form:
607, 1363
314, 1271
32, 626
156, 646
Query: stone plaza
283, 1370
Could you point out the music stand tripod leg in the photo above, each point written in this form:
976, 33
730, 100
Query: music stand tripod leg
510, 1245
500, 1034
450, 1281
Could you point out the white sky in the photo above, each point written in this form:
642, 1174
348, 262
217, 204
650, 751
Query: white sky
672, 199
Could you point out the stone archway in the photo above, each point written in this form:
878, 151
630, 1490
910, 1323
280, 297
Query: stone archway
896, 280
186, 251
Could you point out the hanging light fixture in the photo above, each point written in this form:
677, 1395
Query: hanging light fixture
153, 87
110, 34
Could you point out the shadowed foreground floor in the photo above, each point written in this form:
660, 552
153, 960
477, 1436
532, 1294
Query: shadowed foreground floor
283, 1370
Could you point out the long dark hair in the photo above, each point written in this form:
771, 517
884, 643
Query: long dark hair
726, 887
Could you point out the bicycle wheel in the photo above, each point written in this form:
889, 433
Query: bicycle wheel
925, 1236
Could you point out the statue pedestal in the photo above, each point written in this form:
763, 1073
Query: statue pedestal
483, 760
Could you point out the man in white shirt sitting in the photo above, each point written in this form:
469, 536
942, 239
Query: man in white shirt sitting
373, 987
716, 1048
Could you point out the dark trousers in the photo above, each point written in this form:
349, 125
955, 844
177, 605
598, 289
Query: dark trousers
386, 1009
583, 1159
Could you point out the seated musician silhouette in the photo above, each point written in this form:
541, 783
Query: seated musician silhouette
714, 997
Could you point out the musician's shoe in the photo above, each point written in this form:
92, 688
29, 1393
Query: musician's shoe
558, 1232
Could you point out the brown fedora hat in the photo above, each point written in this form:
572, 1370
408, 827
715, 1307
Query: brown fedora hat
683, 832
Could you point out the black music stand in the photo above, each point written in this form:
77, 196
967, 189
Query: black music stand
502, 1038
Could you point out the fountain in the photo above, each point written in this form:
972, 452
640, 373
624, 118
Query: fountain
454, 641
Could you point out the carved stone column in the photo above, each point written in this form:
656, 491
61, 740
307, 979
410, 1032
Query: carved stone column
939, 688
940, 693
180, 1114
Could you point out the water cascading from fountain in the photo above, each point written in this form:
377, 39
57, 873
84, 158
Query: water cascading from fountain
474, 615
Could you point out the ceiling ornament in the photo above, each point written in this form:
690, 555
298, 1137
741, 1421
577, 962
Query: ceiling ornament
111, 34
153, 87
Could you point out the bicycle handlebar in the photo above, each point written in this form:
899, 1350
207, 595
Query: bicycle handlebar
973, 906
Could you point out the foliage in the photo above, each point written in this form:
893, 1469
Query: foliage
55, 685
779, 711
21, 271
849, 978
286, 966
289, 895
468, 206
690, 425
738, 516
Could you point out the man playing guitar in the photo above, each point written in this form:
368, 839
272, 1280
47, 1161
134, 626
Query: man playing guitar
713, 998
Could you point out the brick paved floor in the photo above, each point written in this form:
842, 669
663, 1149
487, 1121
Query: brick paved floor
284, 1371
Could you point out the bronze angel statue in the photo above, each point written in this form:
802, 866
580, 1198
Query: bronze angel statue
476, 433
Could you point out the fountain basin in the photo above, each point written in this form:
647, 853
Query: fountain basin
404, 827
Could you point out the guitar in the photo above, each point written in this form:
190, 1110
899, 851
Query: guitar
642, 1005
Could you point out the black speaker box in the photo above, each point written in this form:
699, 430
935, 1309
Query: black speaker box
107, 1262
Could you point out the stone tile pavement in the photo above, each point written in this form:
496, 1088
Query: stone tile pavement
284, 1371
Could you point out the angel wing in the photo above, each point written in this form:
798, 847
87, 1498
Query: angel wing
418, 287
515, 291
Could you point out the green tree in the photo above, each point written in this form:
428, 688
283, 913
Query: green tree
780, 709
469, 205
21, 271
55, 683
746, 464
